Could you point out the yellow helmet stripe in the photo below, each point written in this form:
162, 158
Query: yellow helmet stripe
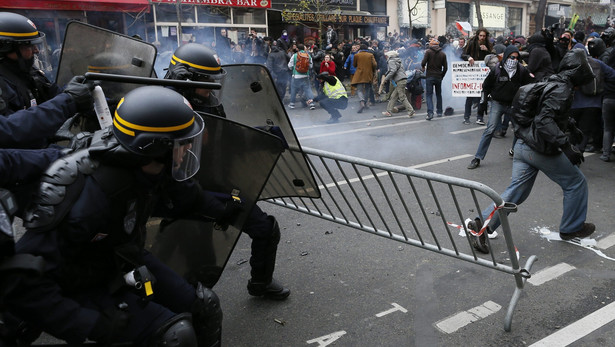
121, 128
123, 123
4, 33
217, 68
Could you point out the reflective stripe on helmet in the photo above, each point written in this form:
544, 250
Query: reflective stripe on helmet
175, 60
122, 126
32, 34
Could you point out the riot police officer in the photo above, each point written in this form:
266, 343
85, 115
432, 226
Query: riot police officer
89, 224
196, 62
22, 85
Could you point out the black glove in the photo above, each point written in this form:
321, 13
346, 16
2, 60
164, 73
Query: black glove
81, 93
232, 210
110, 325
180, 73
482, 108
573, 154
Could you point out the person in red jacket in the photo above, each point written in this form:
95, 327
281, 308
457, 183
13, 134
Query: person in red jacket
328, 65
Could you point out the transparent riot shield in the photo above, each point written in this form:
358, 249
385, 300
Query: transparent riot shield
236, 161
88, 48
249, 97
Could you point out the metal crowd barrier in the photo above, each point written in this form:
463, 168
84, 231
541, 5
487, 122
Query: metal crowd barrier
418, 208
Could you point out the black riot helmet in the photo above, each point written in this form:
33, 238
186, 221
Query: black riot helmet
196, 62
159, 123
201, 61
17, 30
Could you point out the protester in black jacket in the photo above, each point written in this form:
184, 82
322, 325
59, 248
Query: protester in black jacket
544, 146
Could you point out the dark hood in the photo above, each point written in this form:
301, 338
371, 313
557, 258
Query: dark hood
596, 47
435, 48
508, 51
575, 67
537, 38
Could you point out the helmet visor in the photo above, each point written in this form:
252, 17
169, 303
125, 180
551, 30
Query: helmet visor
187, 153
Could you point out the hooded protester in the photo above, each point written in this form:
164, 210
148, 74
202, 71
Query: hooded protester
501, 84
397, 76
539, 61
543, 145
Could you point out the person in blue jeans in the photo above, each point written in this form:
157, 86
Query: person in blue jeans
435, 64
502, 84
544, 146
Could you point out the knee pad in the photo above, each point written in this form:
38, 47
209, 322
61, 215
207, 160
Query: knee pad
207, 317
176, 332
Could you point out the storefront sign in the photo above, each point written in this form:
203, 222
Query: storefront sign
289, 16
493, 16
350, 5
231, 3
468, 80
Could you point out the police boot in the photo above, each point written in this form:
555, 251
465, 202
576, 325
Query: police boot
263, 263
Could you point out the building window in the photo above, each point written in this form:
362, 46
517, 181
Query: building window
168, 13
456, 11
213, 14
248, 16
374, 7
515, 15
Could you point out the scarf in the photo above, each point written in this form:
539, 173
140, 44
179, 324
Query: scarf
510, 66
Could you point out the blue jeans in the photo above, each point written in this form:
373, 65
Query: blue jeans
608, 115
470, 100
300, 84
430, 83
526, 165
495, 118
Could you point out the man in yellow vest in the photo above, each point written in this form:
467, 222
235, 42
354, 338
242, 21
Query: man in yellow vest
333, 98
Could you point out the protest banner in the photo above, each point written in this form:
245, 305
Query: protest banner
467, 81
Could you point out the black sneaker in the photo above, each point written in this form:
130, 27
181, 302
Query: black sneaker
480, 122
333, 120
511, 152
478, 242
586, 230
429, 116
466, 121
273, 290
474, 164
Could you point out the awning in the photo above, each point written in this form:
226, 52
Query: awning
78, 5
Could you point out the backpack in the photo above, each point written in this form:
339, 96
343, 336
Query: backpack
302, 62
596, 86
525, 104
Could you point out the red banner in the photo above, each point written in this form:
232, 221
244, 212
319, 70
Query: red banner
231, 3
78, 5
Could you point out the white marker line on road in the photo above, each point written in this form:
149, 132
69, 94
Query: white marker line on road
580, 328
366, 177
466, 130
369, 128
547, 274
459, 320
606, 242
395, 308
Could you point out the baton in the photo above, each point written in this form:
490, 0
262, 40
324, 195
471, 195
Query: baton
151, 81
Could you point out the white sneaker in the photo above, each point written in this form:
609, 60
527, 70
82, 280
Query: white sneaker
291, 106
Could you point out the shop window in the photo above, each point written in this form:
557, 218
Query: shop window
456, 11
213, 14
248, 16
374, 7
168, 13
515, 19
